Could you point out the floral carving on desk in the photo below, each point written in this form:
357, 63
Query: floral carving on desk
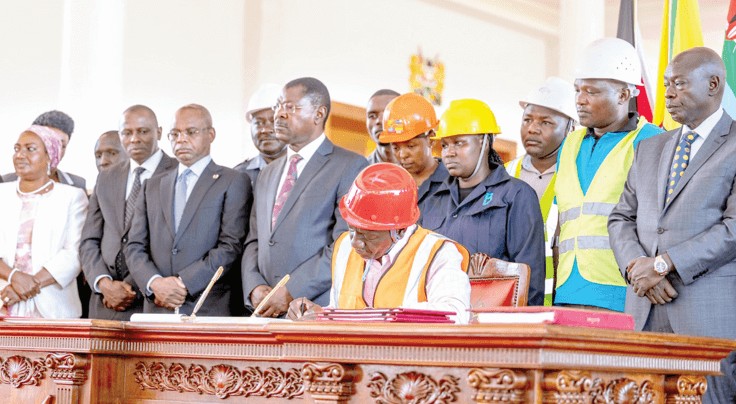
220, 380
577, 386
18, 371
412, 388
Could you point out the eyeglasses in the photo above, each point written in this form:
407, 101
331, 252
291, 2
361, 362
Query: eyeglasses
288, 106
188, 132
137, 131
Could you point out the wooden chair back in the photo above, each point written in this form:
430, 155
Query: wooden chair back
495, 283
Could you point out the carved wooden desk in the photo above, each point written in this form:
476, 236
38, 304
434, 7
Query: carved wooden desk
84, 361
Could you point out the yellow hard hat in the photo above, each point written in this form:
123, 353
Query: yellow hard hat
467, 117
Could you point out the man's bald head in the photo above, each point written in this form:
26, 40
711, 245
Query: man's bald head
694, 80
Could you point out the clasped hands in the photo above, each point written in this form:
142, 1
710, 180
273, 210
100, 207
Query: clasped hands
116, 295
647, 282
22, 287
169, 292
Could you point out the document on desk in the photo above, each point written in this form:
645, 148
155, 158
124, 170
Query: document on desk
184, 319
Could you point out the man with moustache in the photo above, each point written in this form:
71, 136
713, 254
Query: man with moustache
673, 230
108, 150
295, 219
591, 171
374, 123
408, 123
549, 115
260, 117
110, 215
189, 222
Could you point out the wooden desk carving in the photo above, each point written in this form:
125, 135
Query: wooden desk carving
86, 361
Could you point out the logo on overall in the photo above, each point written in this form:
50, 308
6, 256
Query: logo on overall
488, 198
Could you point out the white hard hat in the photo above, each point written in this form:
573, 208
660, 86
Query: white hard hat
610, 58
264, 98
555, 94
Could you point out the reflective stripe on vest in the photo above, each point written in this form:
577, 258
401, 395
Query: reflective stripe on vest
584, 217
549, 217
396, 287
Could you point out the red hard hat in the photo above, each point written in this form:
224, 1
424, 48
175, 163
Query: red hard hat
406, 117
382, 197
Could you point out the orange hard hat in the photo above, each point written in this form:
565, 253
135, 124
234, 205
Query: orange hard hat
406, 117
382, 197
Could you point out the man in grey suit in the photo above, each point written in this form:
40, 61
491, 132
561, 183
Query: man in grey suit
295, 218
188, 222
110, 214
673, 231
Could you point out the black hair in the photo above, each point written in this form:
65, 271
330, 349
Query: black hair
56, 119
315, 90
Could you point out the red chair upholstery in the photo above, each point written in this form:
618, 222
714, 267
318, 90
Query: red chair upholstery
496, 283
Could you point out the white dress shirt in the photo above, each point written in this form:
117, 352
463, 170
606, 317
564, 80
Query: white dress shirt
306, 153
703, 130
149, 166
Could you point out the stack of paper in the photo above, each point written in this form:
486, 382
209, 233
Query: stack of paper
553, 315
398, 315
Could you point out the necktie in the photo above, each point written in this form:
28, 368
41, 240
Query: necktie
680, 162
285, 189
180, 199
133, 196
121, 267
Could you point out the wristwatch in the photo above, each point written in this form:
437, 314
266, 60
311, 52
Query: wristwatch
660, 266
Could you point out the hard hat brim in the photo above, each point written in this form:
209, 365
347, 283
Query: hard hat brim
356, 221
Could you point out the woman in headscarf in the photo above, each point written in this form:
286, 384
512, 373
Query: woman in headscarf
480, 205
39, 237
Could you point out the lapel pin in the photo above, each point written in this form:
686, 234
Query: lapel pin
215, 176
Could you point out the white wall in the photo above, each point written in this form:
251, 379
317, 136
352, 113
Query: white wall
356, 48
93, 58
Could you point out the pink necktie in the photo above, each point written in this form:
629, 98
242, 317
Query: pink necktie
285, 188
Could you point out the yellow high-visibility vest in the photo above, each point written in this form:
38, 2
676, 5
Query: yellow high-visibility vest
408, 270
549, 217
584, 218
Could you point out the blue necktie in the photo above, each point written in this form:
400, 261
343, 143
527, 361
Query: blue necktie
180, 199
680, 162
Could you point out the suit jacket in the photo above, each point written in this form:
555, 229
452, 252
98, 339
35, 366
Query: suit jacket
210, 235
309, 222
64, 178
104, 234
697, 228
57, 228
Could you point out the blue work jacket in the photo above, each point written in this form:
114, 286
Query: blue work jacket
500, 217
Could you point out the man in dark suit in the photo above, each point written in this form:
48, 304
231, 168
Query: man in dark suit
260, 117
673, 231
63, 124
110, 214
188, 222
295, 219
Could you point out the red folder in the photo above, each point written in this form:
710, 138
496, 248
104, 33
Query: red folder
553, 315
397, 315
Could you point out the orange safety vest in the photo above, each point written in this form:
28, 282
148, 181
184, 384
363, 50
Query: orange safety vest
409, 270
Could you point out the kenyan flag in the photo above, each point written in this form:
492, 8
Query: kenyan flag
729, 58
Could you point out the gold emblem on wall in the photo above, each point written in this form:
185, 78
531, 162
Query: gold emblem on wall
427, 77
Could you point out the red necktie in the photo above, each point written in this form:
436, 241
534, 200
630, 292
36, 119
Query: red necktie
285, 188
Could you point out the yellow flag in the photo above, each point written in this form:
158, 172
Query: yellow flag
680, 31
